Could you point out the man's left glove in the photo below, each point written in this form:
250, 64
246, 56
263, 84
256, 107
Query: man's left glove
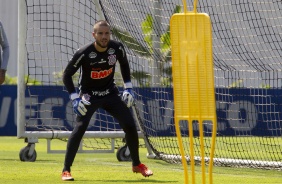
79, 104
128, 95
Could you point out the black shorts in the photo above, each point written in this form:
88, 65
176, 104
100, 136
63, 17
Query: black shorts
113, 104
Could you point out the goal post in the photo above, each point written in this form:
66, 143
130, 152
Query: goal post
21, 72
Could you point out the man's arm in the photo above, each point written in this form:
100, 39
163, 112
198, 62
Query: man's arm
6, 52
124, 68
128, 94
5, 48
78, 103
70, 70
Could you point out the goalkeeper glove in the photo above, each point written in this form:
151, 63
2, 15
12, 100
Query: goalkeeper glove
79, 104
128, 95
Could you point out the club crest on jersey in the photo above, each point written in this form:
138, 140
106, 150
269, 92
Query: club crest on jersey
92, 55
112, 59
111, 51
86, 97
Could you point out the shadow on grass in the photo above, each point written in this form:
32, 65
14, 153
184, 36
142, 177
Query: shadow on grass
18, 159
133, 181
10, 159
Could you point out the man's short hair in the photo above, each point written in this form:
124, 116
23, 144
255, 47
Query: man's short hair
100, 23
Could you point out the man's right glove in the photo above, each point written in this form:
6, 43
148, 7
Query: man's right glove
79, 104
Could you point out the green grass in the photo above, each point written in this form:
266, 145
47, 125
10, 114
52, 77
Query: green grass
238, 147
103, 168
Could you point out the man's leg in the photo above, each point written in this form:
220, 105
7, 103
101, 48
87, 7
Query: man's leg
117, 108
74, 142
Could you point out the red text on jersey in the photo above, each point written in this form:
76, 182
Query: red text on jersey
101, 74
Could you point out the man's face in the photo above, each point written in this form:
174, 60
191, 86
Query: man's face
102, 36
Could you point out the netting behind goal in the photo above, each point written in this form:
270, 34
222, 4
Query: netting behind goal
247, 50
54, 31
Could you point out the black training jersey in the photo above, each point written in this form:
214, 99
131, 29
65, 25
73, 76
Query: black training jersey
97, 68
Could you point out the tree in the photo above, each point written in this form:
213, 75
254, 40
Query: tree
14, 80
161, 59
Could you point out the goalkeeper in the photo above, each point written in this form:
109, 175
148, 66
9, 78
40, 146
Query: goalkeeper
97, 61
3, 58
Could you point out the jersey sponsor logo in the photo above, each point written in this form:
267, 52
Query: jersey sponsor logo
101, 93
77, 61
111, 51
102, 61
92, 63
101, 74
96, 69
92, 55
112, 59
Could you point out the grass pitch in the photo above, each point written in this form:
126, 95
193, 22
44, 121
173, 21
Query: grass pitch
103, 168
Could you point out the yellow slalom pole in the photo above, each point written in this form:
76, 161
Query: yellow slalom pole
193, 82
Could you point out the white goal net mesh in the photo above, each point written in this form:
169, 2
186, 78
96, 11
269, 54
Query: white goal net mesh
247, 51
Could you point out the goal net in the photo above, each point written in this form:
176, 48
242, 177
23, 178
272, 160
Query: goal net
247, 50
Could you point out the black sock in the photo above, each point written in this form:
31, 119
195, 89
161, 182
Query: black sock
66, 168
136, 163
